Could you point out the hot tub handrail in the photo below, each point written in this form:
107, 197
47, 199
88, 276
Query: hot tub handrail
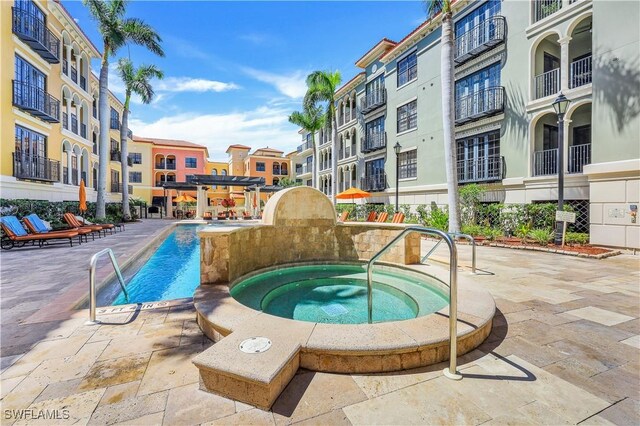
92, 281
453, 289
457, 235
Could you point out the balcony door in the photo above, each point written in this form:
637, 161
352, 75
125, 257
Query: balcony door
471, 21
479, 158
374, 170
31, 84
374, 90
472, 98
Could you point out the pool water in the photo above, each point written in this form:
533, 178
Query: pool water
337, 293
172, 272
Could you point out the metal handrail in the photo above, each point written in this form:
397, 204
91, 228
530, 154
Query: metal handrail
92, 281
453, 289
457, 235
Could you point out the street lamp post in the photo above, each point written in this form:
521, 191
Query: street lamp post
397, 149
560, 106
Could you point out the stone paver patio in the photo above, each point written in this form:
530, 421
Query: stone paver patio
564, 349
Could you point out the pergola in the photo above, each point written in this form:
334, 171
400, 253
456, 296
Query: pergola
200, 184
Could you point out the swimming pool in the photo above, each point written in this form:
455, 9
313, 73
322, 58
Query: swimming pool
172, 271
337, 293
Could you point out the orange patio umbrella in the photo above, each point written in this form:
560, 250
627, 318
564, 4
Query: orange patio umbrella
82, 197
352, 194
188, 198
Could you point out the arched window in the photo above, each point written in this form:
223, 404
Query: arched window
214, 172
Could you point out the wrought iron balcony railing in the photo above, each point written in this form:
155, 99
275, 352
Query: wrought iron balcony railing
579, 155
373, 142
547, 83
35, 168
117, 187
305, 146
580, 72
373, 100
544, 8
345, 153
545, 162
483, 169
33, 31
36, 101
375, 182
115, 155
480, 38
479, 104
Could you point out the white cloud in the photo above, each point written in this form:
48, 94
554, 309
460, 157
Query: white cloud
292, 85
188, 84
264, 126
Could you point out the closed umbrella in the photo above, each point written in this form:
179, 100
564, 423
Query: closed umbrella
82, 198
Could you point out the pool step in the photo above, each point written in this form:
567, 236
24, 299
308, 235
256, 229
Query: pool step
254, 378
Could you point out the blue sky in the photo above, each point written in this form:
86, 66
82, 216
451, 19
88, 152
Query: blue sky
234, 71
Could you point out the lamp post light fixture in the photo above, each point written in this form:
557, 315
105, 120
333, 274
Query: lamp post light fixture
396, 149
560, 106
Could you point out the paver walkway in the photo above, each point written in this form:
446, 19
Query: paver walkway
565, 349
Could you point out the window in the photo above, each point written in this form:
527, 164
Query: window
191, 162
30, 85
550, 137
407, 69
214, 172
136, 157
29, 143
582, 135
260, 167
374, 93
115, 119
115, 146
479, 158
407, 116
408, 167
478, 81
477, 16
135, 177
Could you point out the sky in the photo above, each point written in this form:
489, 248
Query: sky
235, 70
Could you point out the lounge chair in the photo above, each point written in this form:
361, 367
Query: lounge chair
207, 216
35, 225
246, 215
398, 218
222, 216
383, 217
111, 227
344, 216
372, 217
14, 234
74, 223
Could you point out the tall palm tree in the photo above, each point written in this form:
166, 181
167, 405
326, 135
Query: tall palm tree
322, 88
311, 119
136, 80
448, 83
116, 31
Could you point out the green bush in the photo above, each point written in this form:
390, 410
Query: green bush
473, 230
492, 234
576, 238
470, 196
541, 236
523, 231
52, 211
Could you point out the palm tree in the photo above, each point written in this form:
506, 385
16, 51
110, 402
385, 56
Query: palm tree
136, 80
116, 31
311, 120
322, 88
447, 78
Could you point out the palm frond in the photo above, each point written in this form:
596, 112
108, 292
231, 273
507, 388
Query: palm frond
143, 34
434, 7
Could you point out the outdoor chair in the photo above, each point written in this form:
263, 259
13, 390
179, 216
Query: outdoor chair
344, 216
246, 215
222, 216
207, 216
371, 217
398, 218
383, 217
15, 234
111, 227
35, 225
74, 223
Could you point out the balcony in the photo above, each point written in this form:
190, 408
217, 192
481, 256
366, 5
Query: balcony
165, 165
545, 162
36, 102
579, 155
478, 39
346, 153
117, 187
373, 142
580, 72
376, 182
547, 83
35, 168
482, 103
373, 100
114, 124
305, 146
115, 155
35, 33
544, 8
482, 169
304, 168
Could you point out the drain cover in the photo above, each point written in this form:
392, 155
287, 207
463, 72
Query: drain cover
255, 345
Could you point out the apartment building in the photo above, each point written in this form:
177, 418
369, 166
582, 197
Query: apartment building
217, 193
512, 59
48, 106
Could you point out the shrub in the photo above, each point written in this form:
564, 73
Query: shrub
523, 231
438, 218
492, 234
541, 236
576, 238
473, 230
470, 196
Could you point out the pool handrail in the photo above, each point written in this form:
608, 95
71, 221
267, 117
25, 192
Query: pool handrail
450, 372
457, 235
92, 281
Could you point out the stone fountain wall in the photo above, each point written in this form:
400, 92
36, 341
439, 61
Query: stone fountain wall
299, 225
